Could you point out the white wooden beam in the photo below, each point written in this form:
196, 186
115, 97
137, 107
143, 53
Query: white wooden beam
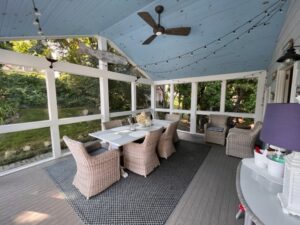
193, 117
153, 106
53, 113
103, 81
228, 76
259, 106
133, 96
223, 96
295, 82
171, 97
14, 58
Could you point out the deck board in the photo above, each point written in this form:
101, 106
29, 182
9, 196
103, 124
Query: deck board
31, 197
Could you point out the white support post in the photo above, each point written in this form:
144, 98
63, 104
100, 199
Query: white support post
193, 117
171, 97
279, 92
223, 96
259, 106
104, 89
295, 82
53, 113
153, 99
133, 97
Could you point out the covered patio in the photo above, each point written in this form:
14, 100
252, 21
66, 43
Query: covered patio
68, 67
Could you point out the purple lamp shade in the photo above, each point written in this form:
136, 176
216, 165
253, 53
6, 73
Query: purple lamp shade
281, 126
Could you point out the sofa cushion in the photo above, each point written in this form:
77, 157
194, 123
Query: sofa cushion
216, 129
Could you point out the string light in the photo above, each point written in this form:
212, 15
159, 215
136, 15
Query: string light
258, 23
271, 11
36, 21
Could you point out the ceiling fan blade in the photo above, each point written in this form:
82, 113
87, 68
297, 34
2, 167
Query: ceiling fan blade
150, 39
184, 31
148, 19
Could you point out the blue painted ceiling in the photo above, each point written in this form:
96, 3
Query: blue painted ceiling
118, 21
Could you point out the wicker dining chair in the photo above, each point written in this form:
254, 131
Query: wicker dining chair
240, 142
96, 171
142, 158
111, 124
165, 145
173, 117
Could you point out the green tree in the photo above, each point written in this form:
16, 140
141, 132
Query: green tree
208, 97
182, 94
241, 95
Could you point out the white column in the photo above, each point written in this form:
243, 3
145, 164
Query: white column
104, 99
133, 97
223, 96
259, 97
193, 117
295, 82
280, 83
104, 96
153, 106
53, 113
171, 97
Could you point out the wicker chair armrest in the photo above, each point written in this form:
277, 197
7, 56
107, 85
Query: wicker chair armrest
104, 157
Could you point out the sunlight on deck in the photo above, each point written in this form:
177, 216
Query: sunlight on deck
30, 217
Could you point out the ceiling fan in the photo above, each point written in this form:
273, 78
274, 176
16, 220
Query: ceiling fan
159, 29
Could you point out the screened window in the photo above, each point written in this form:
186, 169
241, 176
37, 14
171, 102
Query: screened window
184, 122
201, 120
23, 95
119, 96
241, 95
162, 96
182, 96
79, 131
77, 95
208, 97
143, 96
24, 147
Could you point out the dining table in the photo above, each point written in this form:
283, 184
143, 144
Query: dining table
120, 136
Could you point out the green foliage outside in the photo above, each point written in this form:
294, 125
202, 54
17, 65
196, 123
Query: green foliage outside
241, 95
143, 93
209, 94
164, 92
119, 96
182, 96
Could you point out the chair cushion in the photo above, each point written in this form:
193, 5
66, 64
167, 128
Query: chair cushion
216, 129
97, 151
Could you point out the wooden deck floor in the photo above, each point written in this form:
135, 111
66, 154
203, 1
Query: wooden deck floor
31, 197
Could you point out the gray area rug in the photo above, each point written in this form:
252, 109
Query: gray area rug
135, 200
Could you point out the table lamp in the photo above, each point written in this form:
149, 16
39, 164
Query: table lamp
281, 128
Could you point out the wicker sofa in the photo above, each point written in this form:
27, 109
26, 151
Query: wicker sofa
240, 142
216, 129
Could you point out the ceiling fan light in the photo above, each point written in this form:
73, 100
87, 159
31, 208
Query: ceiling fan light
158, 33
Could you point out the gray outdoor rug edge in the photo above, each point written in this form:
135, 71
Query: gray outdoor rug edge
134, 200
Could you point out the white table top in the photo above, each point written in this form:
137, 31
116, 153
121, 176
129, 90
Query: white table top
260, 196
123, 135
